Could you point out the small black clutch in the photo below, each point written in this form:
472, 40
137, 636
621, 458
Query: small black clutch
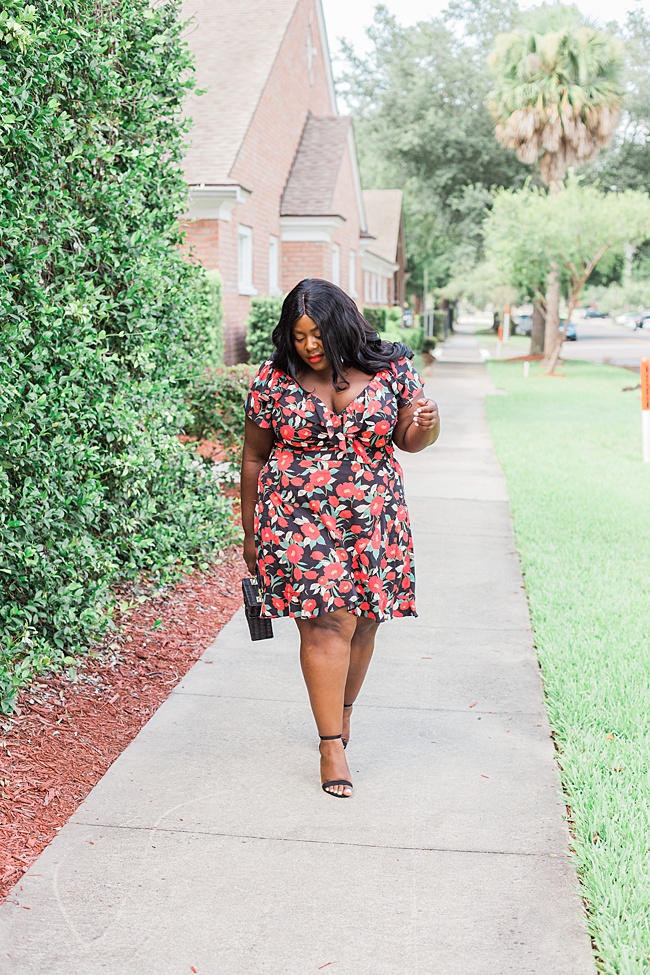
260, 629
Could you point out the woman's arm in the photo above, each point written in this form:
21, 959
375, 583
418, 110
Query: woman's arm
418, 424
258, 444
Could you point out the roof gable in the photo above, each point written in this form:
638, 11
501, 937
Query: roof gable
384, 216
235, 46
315, 171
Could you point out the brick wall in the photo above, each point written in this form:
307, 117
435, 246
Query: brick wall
310, 259
263, 166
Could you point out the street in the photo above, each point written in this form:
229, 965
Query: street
601, 340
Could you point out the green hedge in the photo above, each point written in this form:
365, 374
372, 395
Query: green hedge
377, 317
99, 341
216, 401
262, 319
209, 319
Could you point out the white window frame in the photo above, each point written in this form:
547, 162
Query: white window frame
245, 260
352, 275
274, 265
336, 265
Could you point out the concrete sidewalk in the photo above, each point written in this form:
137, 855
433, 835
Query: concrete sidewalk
209, 846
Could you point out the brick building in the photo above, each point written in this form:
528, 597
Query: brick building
275, 193
384, 273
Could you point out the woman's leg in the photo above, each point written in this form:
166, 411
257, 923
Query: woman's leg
361, 649
325, 660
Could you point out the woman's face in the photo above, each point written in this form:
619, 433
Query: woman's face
308, 343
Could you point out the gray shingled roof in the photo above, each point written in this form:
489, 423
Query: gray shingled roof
383, 211
235, 43
315, 171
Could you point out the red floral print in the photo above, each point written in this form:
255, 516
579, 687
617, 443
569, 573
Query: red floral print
331, 524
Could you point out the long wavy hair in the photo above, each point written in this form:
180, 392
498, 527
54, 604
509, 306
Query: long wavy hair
348, 339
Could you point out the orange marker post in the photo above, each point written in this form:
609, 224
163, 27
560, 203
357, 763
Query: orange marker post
645, 408
499, 340
506, 324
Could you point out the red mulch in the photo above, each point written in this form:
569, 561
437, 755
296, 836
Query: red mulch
68, 729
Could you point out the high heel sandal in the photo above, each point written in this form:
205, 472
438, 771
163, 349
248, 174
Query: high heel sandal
337, 795
344, 740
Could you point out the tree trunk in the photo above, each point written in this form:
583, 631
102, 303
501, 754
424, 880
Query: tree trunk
552, 324
555, 354
537, 331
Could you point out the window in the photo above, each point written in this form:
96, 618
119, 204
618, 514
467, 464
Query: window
274, 264
245, 261
384, 290
366, 287
352, 275
336, 264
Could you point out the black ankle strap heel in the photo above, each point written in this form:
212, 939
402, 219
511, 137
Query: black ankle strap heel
334, 781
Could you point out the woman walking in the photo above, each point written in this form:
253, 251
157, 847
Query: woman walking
326, 529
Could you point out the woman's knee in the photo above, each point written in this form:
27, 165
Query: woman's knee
365, 626
338, 626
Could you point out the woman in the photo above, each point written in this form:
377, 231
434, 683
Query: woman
326, 528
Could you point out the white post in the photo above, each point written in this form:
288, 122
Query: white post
645, 409
526, 369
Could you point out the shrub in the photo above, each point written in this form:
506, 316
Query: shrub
209, 318
394, 316
98, 343
377, 317
262, 319
415, 339
216, 402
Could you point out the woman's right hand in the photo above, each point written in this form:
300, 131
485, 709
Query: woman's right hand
249, 554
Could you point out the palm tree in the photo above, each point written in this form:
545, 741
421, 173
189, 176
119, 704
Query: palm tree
556, 101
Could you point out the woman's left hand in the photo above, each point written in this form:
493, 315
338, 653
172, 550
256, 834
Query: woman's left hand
426, 414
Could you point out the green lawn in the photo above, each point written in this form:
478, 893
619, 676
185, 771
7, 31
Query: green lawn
571, 451
516, 345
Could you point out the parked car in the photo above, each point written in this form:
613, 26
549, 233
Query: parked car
523, 324
643, 320
628, 319
595, 313
571, 334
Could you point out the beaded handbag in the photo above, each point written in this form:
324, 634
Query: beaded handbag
260, 629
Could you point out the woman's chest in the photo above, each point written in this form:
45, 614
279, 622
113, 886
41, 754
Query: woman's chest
302, 419
334, 400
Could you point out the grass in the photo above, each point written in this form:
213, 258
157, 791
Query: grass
516, 345
571, 451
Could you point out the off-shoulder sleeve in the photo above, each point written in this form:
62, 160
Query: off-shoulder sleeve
259, 403
406, 381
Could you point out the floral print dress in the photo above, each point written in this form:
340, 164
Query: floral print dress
331, 524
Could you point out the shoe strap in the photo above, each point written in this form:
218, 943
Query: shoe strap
329, 737
349, 705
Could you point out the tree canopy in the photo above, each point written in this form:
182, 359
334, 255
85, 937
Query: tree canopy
528, 231
419, 102
557, 90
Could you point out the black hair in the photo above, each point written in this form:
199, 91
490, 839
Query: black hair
348, 339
